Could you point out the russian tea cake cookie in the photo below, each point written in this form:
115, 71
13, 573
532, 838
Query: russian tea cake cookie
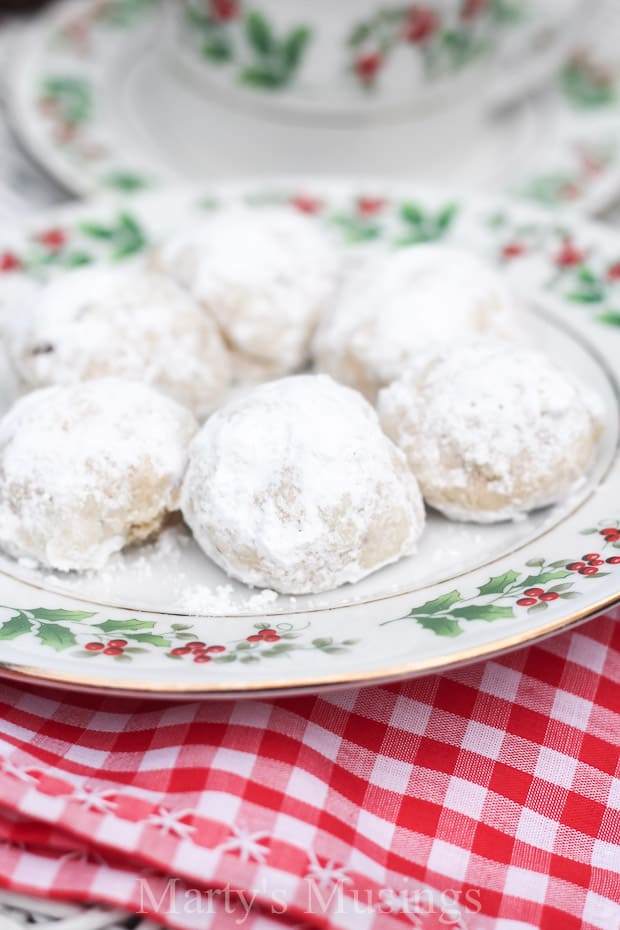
264, 275
89, 468
294, 487
402, 301
125, 322
490, 431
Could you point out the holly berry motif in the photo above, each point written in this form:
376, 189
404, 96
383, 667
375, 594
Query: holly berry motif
591, 162
442, 44
537, 595
258, 54
53, 239
370, 206
306, 204
512, 250
421, 25
473, 8
535, 590
569, 255
9, 262
223, 11
581, 275
199, 651
587, 84
367, 67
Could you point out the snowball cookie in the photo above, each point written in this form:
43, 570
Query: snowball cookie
86, 469
491, 431
405, 300
294, 487
265, 276
128, 322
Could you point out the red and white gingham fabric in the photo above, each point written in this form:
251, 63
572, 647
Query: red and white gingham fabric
486, 799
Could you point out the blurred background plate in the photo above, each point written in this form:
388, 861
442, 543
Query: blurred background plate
366, 59
97, 101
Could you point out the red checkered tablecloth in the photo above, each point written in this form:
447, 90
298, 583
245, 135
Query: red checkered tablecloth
484, 798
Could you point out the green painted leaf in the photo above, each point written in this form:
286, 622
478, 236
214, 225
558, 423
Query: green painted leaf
536, 580
359, 34
294, 47
129, 237
73, 96
488, 612
76, 259
411, 213
322, 642
151, 638
125, 181
217, 48
567, 595
611, 317
70, 616
112, 626
499, 584
535, 608
282, 648
56, 637
259, 33
96, 231
438, 605
533, 563
586, 297
15, 627
446, 216
557, 588
441, 626
585, 87
356, 229
262, 77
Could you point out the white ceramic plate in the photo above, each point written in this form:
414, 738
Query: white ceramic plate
460, 599
96, 101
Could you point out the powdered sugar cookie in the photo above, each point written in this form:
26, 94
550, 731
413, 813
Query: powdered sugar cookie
126, 322
87, 469
491, 431
294, 487
400, 302
264, 275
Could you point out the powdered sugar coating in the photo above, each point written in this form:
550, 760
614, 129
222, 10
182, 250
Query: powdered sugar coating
491, 431
294, 487
264, 275
400, 302
126, 322
87, 469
